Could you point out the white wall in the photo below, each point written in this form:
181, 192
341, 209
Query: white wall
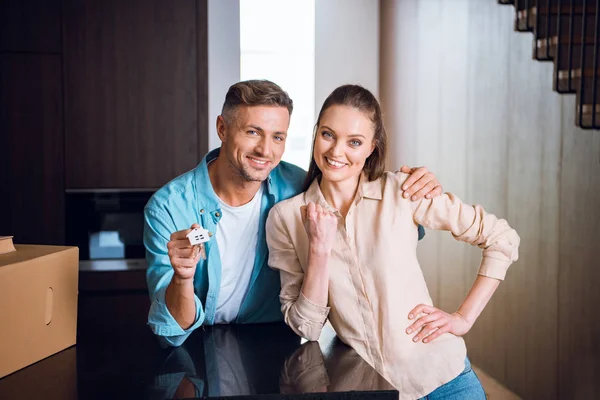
223, 58
347, 46
287, 59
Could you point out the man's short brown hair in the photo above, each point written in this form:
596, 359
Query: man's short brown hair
255, 93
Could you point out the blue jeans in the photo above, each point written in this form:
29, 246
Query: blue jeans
466, 386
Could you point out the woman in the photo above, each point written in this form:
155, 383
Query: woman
346, 249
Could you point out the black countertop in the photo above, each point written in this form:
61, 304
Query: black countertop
257, 361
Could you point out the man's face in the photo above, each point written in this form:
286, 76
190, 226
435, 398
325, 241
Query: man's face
254, 140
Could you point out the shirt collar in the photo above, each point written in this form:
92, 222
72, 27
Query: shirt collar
204, 191
366, 189
372, 189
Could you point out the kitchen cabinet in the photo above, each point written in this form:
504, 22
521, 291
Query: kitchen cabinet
135, 91
31, 148
30, 26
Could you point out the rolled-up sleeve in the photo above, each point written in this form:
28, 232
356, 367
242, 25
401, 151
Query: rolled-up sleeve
158, 276
471, 224
303, 316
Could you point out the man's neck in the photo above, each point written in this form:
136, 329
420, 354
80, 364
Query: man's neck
231, 188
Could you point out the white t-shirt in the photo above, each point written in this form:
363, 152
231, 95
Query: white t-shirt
237, 235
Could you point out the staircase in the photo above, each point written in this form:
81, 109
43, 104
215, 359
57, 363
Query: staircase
567, 32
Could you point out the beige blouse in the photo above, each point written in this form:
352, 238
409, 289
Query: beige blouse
375, 277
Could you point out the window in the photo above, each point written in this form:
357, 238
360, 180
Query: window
277, 40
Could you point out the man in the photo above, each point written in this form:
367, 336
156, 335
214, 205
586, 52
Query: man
229, 194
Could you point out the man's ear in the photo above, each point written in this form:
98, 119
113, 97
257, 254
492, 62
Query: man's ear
221, 128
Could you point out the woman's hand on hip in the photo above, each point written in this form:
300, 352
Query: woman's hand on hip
431, 322
320, 226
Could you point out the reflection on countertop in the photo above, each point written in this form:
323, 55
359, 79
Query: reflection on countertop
262, 361
329, 366
237, 362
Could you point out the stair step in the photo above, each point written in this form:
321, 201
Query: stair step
526, 20
565, 9
576, 73
547, 24
562, 84
586, 116
577, 40
553, 42
521, 22
543, 52
587, 105
561, 51
561, 62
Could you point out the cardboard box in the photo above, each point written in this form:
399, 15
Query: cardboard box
6, 244
38, 304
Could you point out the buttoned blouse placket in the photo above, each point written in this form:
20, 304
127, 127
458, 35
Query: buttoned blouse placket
346, 229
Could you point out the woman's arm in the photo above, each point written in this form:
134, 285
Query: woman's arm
435, 322
316, 280
321, 227
303, 296
470, 224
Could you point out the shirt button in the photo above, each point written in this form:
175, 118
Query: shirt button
217, 214
202, 211
209, 234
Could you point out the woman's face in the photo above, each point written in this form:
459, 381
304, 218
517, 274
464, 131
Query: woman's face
343, 143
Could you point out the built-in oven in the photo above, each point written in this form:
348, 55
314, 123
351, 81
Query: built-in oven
107, 226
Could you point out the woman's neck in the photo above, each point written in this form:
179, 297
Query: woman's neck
340, 194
